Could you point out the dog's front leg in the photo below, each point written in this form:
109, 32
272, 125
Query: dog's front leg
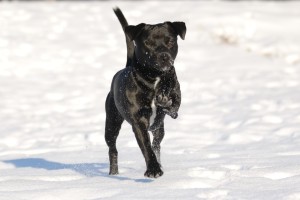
168, 95
169, 101
175, 95
143, 139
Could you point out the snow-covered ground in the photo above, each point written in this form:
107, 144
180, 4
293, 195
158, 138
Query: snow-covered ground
238, 131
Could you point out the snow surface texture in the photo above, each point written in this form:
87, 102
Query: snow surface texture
238, 131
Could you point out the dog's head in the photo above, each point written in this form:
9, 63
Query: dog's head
156, 45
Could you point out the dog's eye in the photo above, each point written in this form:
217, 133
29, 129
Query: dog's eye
171, 43
148, 43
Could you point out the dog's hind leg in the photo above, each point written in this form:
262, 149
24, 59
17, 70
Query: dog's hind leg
158, 136
112, 127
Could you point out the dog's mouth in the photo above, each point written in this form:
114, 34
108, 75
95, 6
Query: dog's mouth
166, 68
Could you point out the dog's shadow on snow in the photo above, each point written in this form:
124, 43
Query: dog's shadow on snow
86, 169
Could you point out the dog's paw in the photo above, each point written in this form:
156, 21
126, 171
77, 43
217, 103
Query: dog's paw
153, 173
113, 173
171, 113
113, 170
163, 101
153, 170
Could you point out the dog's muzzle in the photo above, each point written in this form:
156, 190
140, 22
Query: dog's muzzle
166, 61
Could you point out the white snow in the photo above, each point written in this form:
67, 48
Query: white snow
238, 131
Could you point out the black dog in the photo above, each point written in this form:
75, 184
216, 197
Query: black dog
145, 91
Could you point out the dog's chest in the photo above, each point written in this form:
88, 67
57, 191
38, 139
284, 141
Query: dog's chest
153, 105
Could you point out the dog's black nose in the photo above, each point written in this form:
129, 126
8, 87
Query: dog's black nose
165, 57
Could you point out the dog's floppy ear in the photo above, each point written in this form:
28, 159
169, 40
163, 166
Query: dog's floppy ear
179, 28
134, 31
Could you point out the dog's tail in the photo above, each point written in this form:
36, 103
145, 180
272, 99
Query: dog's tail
129, 43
